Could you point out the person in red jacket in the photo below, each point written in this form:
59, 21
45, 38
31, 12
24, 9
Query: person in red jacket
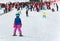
48, 5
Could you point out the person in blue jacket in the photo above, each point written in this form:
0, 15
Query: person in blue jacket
17, 25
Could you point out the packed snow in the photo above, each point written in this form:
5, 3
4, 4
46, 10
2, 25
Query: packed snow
35, 27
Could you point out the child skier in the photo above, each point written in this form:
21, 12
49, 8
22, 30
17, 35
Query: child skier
17, 25
44, 14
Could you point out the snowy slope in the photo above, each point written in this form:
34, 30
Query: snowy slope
35, 27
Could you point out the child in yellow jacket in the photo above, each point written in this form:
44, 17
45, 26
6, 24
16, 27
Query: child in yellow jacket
44, 14
19, 11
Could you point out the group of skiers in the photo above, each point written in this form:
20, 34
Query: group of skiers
30, 6
37, 6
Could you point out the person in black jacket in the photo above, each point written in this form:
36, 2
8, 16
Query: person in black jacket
26, 11
57, 6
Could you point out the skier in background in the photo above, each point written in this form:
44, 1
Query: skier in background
44, 14
17, 25
26, 11
52, 7
57, 6
19, 11
44, 7
0, 7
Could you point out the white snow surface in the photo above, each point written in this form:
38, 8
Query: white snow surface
35, 27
